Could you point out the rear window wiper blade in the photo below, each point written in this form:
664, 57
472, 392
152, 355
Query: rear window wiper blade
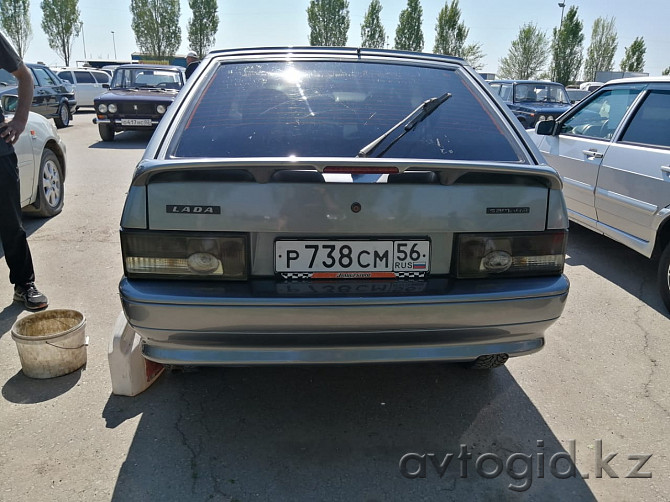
408, 123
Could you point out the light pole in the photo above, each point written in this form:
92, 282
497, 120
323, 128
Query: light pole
114, 42
83, 38
562, 6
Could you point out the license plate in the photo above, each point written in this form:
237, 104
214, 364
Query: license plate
352, 259
136, 122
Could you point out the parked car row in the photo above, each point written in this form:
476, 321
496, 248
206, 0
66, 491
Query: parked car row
313, 205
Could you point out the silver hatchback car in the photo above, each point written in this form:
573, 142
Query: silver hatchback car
311, 205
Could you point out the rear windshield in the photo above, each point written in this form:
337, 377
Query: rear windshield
333, 109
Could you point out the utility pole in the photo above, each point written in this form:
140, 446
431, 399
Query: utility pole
114, 42
562, 6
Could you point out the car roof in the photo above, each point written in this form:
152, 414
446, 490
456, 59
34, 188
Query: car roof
149, 67
513, 81
333, 51
640, 80
75, 68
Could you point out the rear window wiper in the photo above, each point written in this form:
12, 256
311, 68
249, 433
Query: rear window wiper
408, 123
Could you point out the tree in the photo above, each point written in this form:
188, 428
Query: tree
528, 55
156, 26
408, 34
15, 20
450, 35
373, 35
567, 48
202, 26
633, 59
600, 54
61, 23
666, 71
328, 22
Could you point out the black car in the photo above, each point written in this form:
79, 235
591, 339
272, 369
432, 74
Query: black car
53, 98
533, 100
137, 98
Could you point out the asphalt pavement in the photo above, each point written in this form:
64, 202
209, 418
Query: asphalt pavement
368, 433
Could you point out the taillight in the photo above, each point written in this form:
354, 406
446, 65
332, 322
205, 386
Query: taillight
181, 255
510, 254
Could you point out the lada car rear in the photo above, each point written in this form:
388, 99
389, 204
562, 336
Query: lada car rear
326, 206
137, 99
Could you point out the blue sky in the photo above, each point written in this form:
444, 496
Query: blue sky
284, 22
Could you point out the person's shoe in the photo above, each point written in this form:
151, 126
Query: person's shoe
30, 296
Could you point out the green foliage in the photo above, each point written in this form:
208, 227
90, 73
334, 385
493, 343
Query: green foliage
328, 22
408, 34
528, 55
567, 49
15, 20
373, 35
633, 59
450, 35
156, 26
202, 26
600, 54
61, 23
666, 71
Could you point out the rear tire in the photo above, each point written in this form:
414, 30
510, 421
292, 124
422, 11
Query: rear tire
663, 276
63, 119
106, 132
487, 362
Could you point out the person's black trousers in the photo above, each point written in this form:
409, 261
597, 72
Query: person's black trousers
12, 234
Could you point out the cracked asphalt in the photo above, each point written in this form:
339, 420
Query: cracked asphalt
599, 387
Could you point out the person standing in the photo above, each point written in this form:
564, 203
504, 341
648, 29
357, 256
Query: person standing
192, 63
12, 233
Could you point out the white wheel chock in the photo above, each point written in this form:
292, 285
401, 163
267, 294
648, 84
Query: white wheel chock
131, 373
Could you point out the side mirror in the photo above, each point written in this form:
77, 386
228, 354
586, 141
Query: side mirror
105, 86
545, 127
9, 103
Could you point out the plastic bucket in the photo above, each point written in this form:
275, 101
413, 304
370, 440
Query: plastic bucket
51, 343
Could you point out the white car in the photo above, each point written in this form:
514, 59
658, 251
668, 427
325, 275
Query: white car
41, 156
88, 82
613, 152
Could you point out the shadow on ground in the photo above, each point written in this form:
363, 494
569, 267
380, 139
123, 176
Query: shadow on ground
617, 263
335, 433
125, 140
23, 390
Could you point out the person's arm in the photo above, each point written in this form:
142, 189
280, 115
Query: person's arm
16, 126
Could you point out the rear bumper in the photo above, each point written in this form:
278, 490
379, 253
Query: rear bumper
266, 322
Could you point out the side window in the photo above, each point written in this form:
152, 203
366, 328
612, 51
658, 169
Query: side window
66, 75
36, 80
84, 77
51, 77
651, 123
602, 115
506, 92
101, 77
45, 77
